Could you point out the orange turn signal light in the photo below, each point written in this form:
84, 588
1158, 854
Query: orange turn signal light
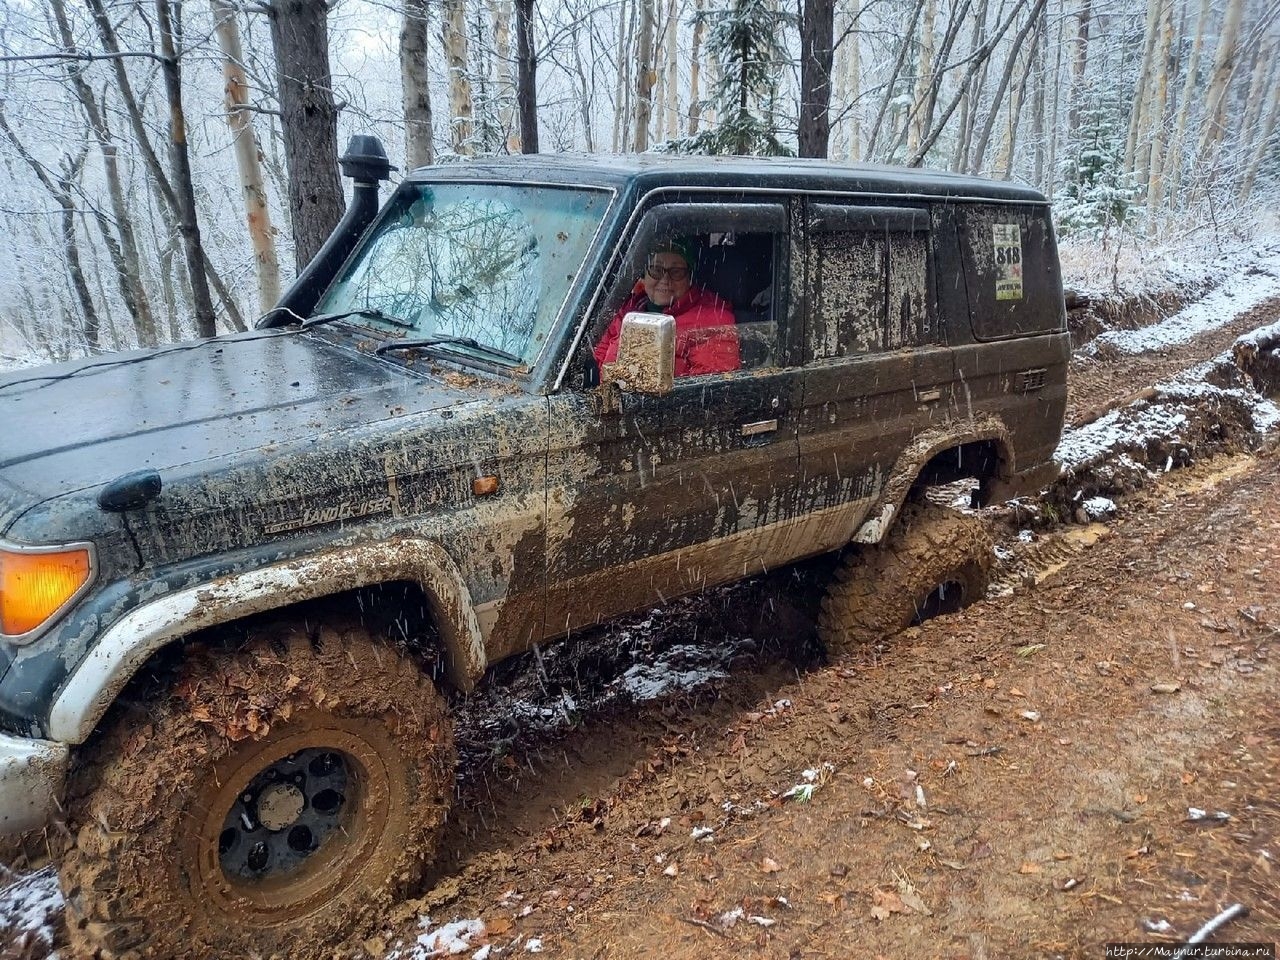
35, 586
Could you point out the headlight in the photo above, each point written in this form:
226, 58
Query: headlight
36, 584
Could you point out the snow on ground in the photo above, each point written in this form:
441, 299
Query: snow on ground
457, 937
1132, 266
31, 905
1234, 297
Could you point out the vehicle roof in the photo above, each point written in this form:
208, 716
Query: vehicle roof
648, 171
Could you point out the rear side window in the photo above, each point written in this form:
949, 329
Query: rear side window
868, 280
1011, 271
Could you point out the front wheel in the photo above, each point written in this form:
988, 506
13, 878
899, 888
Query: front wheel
934, 561
273, 802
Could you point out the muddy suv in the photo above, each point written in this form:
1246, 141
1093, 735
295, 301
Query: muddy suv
241, 579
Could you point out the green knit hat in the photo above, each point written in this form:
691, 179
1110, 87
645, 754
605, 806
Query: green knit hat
679, 245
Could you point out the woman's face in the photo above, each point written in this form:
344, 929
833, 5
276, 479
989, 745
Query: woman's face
666, 278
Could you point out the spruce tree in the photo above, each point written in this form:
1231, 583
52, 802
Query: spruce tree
745, 39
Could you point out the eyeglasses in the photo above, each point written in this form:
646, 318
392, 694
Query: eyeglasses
675, 273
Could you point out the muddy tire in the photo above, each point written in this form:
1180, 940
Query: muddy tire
272, 802
933, 561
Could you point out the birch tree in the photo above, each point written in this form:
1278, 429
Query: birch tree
453, 34
419, 146
252, 183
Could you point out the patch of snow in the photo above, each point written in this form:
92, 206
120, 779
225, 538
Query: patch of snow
1125, 427
651, 681
731, 917
702, 833
534, 945
28, 905
1235, 297
1099, 508
447, 941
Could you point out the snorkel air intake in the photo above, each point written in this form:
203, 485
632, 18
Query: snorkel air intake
365, 162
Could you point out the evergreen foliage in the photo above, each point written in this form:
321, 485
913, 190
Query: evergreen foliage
745, 39
1096, 193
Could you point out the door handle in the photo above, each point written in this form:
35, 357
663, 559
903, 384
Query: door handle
759, 427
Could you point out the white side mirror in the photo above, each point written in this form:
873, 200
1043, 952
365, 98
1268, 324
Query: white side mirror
646, 355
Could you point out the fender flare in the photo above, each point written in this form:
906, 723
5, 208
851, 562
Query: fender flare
121, 650
923, 448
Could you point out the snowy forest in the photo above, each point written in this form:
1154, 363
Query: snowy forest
168, 165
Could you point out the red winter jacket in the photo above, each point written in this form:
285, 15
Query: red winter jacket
706, 341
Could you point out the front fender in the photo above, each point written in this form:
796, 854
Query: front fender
128, 643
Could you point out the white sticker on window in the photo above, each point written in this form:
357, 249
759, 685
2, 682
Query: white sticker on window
1008, 256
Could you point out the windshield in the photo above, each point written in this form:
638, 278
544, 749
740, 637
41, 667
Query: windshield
486, 262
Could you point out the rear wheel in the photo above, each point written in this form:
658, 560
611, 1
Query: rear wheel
934, 561
273, 802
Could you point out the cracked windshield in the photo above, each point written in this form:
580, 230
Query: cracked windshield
464, 261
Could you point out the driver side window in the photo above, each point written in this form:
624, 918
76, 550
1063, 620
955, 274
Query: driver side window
715, 268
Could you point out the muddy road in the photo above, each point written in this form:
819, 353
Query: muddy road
1088, 755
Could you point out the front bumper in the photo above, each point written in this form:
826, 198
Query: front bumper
31, 777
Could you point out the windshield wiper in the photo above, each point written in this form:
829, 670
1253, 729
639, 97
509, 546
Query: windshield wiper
371, 312
445, 340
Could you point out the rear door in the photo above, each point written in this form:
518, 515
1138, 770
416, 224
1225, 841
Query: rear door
877, 370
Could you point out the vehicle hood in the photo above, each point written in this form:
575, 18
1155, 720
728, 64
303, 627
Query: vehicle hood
71, 426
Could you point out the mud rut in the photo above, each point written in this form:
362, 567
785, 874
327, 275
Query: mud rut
1000, 782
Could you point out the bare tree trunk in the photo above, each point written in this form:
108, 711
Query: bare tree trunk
527, 77
853, 80
1009, 141
644, 76
1174, 159
672, 115
453, 30
180, 161
500, 12
1151, 159
1224, 64
1039, 65
695, 69
968, 92
133, 290
59, 186
984, 137
817, 39
419, 148
1144, 78
309, 122
919, 124
977, 63
909, 29
1264, 57
1079, 60
622, 93
586, 98
1262, 144
926, 101
257, 213
159, 181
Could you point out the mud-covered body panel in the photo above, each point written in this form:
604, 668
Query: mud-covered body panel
301, 450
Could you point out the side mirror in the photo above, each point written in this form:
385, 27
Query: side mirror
646, 356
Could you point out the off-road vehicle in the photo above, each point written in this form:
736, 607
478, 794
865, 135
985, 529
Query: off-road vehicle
241, 578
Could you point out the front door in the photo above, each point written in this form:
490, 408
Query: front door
671, 494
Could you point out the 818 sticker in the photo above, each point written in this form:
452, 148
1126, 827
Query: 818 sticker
1008, 257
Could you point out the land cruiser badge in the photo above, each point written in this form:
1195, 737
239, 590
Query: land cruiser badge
1008, 255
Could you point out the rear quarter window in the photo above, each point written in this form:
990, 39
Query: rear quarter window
1011, 271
